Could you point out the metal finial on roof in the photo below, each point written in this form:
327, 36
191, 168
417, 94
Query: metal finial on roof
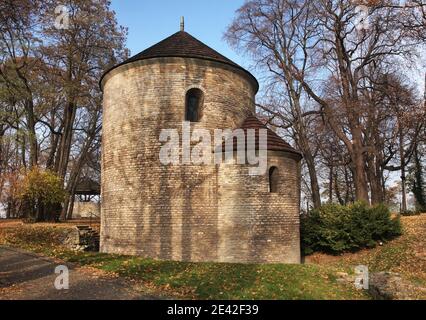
182, 24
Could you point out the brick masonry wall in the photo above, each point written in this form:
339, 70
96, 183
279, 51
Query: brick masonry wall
254, 224
172, 212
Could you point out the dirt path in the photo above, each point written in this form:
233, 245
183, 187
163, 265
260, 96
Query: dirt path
27, 276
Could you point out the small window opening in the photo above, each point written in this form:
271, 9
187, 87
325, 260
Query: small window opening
273, 180
193, 105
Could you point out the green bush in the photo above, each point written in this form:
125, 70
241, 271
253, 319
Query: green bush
334, 228
410, 213
41, 192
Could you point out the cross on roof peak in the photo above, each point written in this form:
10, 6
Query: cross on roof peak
182, 23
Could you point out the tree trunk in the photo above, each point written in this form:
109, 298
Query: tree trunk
8, 210
66, 139
75, 172
330, 184
360, 181
54, 142
337, 189
71, 205
41, 214
375, 182
349, 188
310, 163
418, 181
32, 137
402, 158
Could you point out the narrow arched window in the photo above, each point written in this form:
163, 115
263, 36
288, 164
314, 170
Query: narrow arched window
193, 105
273, 179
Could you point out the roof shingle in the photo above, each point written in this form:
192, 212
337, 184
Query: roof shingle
182, 44
274, 141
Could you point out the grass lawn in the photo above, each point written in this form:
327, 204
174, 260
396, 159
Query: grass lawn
224, 280
191, 280
314, 280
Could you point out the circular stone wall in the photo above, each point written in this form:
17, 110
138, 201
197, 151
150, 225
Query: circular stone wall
256, 225
167, 212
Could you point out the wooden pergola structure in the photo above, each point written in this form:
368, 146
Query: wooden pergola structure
87, 189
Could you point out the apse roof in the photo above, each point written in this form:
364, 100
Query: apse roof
274, 141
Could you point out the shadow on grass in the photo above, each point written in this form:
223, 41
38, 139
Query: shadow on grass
206, 280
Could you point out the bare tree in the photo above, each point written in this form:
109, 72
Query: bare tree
49, 89
276, 33
339, 51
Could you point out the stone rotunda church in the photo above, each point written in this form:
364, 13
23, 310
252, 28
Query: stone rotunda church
188, 212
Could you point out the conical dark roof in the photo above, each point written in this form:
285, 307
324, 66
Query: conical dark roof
274, 141
182, 44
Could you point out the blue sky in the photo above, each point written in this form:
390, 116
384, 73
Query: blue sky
151, 21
